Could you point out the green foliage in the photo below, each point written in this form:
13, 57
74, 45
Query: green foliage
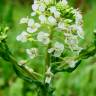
81, 82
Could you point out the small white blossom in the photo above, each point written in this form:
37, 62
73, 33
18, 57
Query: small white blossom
78, 16
37, 25
23, 37
72, 41
48, 76
78, 29
24, 20
31, 22
42, 18
35, 7
32, 52
61, 25
57, 14
53, 9
33, 28
42, 8
35, 1
57, 49
71, 62
43, 37
64, 2
80, 32
52, 20
47, 2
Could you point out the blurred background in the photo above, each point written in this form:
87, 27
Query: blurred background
81, 82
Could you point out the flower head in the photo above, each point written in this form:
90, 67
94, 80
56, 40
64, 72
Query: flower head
62, 22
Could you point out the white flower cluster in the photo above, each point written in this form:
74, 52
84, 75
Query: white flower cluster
46, 14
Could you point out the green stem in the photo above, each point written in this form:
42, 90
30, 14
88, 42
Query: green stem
45, 90
48, 57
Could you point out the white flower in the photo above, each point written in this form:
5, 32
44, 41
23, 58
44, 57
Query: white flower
48, 79
47, 2
48, 76
79, 30
52, 20
53, 9
42, 8
57, 14
35, 1
37, 25
57, 49
23, 37
35, 7
32, 53
72, 41
43, 37
33, 28
78, 16
64, 2
71, 62
31, 22
61, 25
23, 20
42, 18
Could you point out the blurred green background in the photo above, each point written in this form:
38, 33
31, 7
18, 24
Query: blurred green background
82, 82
